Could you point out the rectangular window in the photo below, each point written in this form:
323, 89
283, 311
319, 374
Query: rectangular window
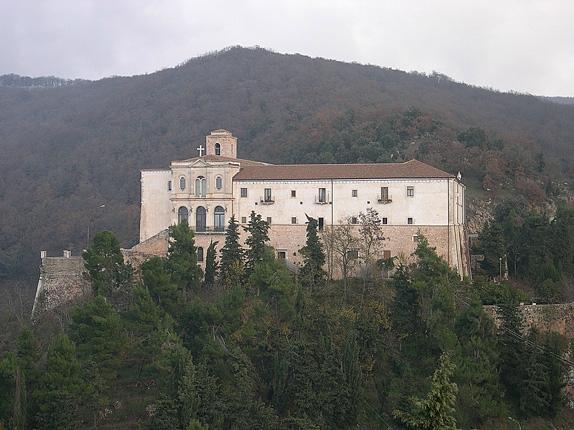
353, 220
354, 193
269, 220
293, 220
385, 221
409, 220
281, 255
384, 194
293, 193
410, 191
169, 185
321, 224
243, 192
243, 220
322, 195
386, 254
267, 195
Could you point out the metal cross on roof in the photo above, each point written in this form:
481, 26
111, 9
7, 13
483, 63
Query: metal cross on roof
200, 148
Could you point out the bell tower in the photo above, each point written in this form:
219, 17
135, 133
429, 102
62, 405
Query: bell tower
221, 142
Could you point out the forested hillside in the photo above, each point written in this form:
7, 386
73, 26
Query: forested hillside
68, 150
248, 345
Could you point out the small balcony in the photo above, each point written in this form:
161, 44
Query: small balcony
266, 201
384, 200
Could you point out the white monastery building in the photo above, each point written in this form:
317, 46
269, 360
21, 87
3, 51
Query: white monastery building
207, 190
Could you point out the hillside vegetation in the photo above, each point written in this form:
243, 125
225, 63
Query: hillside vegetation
68, 150
250, 346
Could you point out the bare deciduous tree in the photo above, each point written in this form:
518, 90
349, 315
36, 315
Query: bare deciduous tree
371, 239
341, 243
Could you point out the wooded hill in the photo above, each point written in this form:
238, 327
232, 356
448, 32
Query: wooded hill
67, 150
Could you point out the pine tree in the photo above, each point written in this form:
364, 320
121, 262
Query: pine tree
493, 247
61, 388
437, 410
182, 257
157, 280
258, 235
105, 264
96, 330
190, 396
231, 262
211, 265
480, 396
405, 314
535, 396
312, 274
554, 347
512, 351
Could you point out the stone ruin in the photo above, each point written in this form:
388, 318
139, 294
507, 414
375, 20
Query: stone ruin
64, 280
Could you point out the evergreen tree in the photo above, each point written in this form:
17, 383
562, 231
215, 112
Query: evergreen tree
554, 347
480, 394
272, 279
231, 262
182, 257
96, 329
312, 274
436, 411
190, 396
59, 395
493, 247
258, 236
512, 351
148, 328
534, 393
211, 265
105, 264
157, 280
405, 314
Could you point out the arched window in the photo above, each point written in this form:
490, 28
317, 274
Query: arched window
219, 218
182, 183
199, 253
200, 219
200, 186
217, 149
219, 182
182, 214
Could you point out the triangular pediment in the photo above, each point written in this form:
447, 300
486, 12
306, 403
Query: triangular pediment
200, 163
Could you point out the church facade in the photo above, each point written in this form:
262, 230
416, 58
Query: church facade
411, 198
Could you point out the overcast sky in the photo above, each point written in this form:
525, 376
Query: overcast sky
521, 45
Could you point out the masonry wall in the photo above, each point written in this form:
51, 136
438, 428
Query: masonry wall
155, 213
62, 281
557, 318
428, 206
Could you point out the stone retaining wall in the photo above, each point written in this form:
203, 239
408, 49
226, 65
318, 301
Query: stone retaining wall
62, 281
558, 317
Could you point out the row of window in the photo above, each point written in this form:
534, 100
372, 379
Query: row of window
200, 185
201, 218
321, 221
322, 194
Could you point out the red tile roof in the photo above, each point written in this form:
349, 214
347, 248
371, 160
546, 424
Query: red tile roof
408, 169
